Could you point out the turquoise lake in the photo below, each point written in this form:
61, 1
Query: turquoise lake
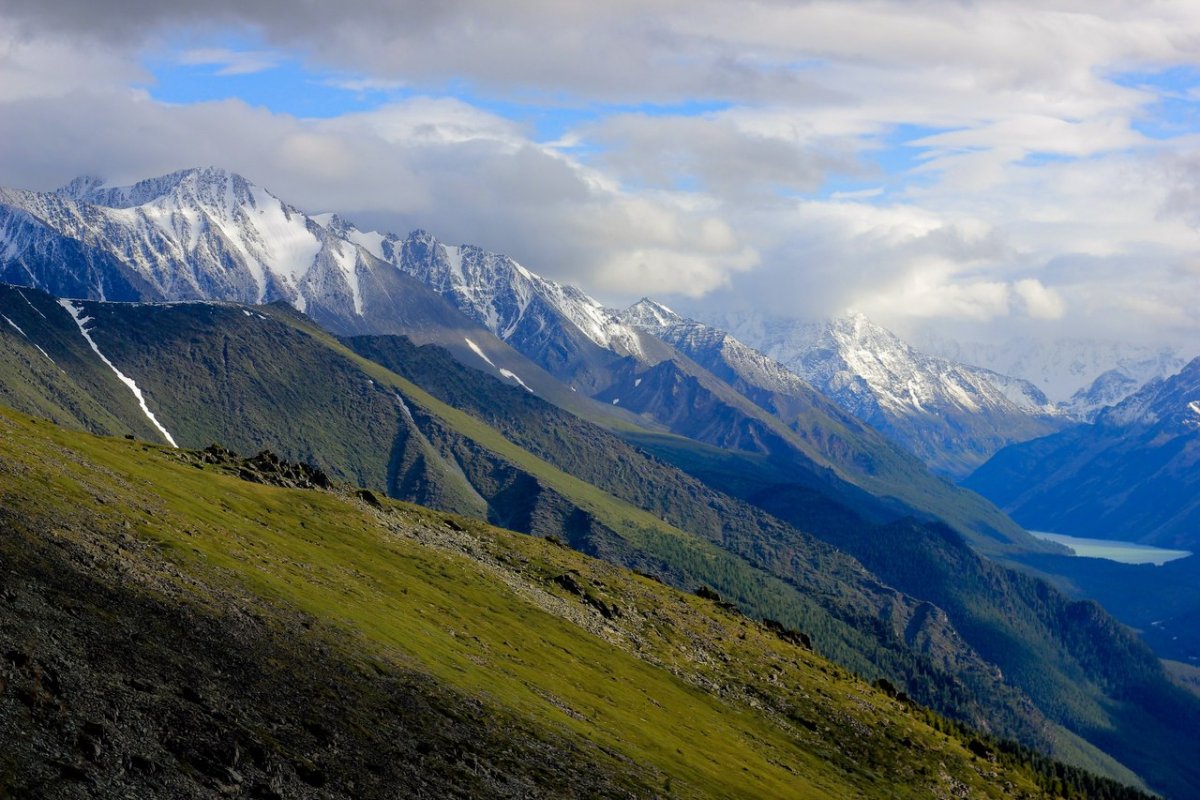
1124, 552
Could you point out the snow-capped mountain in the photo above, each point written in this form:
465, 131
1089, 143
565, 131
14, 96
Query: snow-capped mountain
193, 234
1109, 389
1173, 401
561, 328
951, 415
716, 350
209, 234
1129, 475
1072, 372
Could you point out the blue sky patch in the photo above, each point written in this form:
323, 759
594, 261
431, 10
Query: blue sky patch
1176, 112
261, 77
194, 72
888, 169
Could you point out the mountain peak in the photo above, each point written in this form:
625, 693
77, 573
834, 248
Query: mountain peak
210, 186
647, 313
423, 236
1169, 398
81, 187
859, 325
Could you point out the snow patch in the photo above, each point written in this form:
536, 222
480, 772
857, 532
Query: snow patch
616, 400
348, 263
31, 341
524, 273
1195, 407
370, 241
43, 352
15, 325
478, 351
404, 407
81, 321
514, 376
454, 260
31, 305
290, 247
637, 383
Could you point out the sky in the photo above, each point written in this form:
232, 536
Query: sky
979, 170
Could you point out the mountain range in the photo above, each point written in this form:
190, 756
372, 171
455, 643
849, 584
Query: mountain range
1129, 475
241, 244
951, 415
981, 643
456, 378
1063, 368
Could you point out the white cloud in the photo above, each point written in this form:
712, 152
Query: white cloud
1040, 302
360, 85
439, 164
38, 66
230, 62
1034, 199
733, 155
426, 119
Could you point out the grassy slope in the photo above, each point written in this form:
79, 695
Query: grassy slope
783, 580
63, 380
702, 701
1022, 629
230, 397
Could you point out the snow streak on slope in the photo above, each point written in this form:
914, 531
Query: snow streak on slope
478, 351
47, 355
81, 321
36, 310
15, 325
31, 341
404, 406
508, 373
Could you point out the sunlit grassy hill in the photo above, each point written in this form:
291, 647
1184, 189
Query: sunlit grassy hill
182, 624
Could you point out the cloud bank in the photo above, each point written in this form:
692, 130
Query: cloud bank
1003, 165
